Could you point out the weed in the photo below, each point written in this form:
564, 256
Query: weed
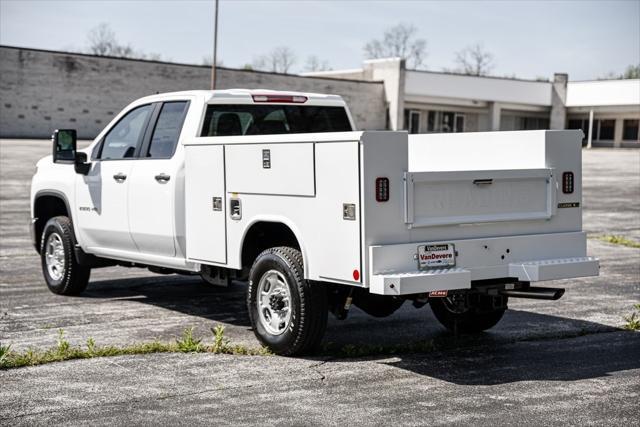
619, 240
91, 345
220, 343
4, 352
188, 343
63, 344
633, 320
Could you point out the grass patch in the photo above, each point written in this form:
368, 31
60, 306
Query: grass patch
633, 320
187, 343
4, 351
619, 240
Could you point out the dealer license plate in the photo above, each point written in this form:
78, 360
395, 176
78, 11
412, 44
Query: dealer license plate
436, 255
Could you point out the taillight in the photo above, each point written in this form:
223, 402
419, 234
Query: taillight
382, 189
295, 99
567, 182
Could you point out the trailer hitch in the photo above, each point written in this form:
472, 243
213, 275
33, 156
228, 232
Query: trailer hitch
534, 292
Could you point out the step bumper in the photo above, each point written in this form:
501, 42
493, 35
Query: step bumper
424, 281
552, 269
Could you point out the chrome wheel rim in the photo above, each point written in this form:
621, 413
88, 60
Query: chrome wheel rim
54, 256
274, 302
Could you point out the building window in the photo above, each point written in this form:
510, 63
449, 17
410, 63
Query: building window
582, 125
445, 122
412, 121
431, 121
579, 124
459, 123
603, 130
606, 130
531, 123
630, 130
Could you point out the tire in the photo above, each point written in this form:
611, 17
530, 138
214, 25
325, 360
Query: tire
62, 273
287, 312
478, 316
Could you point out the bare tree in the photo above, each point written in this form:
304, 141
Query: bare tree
102, 40
316, 64
474, 60
279, 60
631, 72
399, 41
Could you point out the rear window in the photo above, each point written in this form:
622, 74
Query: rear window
229, 120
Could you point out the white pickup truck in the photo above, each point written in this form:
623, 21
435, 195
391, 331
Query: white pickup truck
278, 188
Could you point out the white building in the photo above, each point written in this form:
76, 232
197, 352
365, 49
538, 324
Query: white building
426, 101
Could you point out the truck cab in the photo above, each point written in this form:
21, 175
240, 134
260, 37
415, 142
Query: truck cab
278, 188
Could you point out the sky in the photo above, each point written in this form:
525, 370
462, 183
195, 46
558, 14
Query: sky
529, 39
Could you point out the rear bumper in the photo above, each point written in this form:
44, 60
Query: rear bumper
531, 258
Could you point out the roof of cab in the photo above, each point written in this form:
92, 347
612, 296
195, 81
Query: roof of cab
244, 95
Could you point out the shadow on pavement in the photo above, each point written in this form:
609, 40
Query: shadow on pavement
585, 357
525, 346
184, 294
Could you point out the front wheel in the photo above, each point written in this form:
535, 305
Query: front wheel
287, 312
63, 274
469, 314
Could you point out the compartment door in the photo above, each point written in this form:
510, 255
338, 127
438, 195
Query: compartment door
205, 207
338, 233
467, 197
274, 169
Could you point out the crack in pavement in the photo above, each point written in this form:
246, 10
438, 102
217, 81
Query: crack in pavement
315, 367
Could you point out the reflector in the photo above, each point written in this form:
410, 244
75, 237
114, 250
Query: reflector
567, 182
382, 189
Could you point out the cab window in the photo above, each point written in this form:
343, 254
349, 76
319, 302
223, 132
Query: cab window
167, 130
251, 119
123, 139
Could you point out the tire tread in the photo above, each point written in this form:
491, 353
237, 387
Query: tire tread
312, 319
76, 276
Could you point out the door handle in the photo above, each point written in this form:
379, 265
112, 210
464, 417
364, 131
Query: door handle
120, 177
162, 178
483, 181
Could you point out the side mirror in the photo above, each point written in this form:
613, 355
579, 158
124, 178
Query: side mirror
64, 145
81, 165
65, 150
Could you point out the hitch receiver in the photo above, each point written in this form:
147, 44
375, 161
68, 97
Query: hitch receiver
534, 292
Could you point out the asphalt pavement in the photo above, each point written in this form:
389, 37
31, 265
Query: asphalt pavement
562, 362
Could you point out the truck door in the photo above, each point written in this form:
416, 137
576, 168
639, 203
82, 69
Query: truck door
152, 188
102, 195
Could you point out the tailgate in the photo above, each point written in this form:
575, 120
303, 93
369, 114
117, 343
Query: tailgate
484, 196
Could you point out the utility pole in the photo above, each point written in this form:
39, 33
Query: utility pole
215, 44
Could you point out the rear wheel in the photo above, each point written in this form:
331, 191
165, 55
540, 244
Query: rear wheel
287, 312
62, 273
469, 314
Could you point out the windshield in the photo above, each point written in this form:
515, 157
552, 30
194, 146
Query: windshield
250, 119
